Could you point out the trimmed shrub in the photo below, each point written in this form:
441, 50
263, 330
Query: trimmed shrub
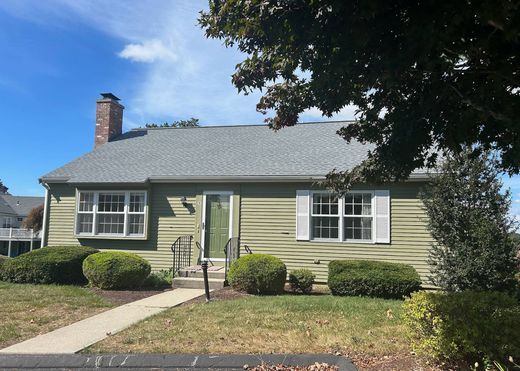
159, 279
60, 265
3, 259
463, 326
301, 280
372, 278
113, 270
259, 274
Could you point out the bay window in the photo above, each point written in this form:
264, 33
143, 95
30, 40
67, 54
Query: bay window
111, 213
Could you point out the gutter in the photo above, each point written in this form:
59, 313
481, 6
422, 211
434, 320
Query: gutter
417, 177
231, 178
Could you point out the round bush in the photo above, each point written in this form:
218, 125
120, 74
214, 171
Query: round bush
463, 326
301, 280
372, 278
259, 274
61, 265
112, 270
3, 259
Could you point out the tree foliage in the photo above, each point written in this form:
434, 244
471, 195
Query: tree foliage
3, 188
469, 221
427, 76
189, 123
35, 219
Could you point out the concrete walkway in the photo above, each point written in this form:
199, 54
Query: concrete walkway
77, 336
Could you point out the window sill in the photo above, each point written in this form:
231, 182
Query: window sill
355, 242
101, 237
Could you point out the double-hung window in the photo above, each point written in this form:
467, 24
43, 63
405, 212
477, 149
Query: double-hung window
325, 217
357, 217
111, 213
349, 218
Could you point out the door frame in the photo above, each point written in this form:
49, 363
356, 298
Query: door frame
203, 221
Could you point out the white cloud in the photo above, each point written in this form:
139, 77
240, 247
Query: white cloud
190, 75
346, 113
147, 51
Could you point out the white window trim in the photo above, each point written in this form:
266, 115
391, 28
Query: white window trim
312, 215
341, 215
126, 235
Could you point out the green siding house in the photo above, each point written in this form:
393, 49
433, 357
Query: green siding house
142, 190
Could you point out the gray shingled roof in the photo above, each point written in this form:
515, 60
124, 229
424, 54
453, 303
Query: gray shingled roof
305, 150
19, 205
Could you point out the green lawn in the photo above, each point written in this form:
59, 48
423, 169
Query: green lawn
281, 324
28, 310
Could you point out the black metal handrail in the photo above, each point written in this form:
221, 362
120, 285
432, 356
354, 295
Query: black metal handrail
181, 250
232, 251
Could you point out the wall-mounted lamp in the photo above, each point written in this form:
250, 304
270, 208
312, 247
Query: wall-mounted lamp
183, 200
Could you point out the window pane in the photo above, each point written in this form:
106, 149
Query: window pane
84, 223
86, 201
358, 204
325, 227
136, 225
324, 204
111, 202
136, 202
111, 223
358, 228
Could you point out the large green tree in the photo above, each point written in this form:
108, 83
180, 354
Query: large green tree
468, 216
3, 188
428, 76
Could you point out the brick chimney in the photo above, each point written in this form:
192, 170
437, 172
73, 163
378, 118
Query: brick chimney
109, 118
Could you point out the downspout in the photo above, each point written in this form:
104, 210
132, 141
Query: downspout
45, 214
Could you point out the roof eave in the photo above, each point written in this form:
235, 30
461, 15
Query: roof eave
415, 177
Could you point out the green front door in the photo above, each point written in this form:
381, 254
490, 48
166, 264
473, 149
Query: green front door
216, 225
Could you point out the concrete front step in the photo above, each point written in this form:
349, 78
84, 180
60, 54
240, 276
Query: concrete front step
197, 283
198, 274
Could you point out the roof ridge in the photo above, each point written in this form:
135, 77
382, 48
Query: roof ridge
240, 125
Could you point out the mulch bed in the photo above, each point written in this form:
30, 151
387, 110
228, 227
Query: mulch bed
120, 297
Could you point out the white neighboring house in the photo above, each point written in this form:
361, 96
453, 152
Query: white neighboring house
14, 240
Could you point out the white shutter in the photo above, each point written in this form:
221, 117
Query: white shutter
382, 216
302, 215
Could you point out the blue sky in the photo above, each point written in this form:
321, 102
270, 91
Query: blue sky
58, 55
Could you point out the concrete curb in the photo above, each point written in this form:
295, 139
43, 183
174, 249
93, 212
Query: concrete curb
164, 361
